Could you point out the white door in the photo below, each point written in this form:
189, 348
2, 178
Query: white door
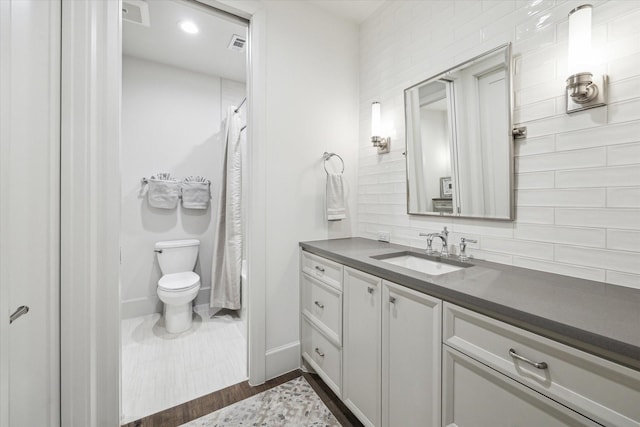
29, 212
494, 123
361, 349
411, 343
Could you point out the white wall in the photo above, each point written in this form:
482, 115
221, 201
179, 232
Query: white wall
171, 122
312, 107
578, 176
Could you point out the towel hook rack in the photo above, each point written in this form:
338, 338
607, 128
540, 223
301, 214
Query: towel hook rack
326, 156
242, 103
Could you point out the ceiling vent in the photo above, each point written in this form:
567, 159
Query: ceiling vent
237, 43
136, 11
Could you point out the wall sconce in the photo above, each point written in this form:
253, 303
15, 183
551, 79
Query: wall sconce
584, 89
381, 143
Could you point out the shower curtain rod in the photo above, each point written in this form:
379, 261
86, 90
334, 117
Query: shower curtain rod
243, 101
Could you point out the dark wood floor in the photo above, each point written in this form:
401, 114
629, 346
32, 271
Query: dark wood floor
212, 402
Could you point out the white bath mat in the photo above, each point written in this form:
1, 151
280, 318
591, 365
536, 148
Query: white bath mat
293, 403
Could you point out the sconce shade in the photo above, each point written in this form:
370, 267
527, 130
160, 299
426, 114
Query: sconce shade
580, 56
375, 119
584, 88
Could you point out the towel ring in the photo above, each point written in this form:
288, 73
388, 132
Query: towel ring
327, 156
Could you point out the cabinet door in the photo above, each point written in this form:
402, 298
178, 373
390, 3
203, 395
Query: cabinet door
361, 345
411, 342
475, 395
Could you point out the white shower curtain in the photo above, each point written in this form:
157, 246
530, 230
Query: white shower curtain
227, 249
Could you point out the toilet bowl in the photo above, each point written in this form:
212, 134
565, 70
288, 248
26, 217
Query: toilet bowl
179, 285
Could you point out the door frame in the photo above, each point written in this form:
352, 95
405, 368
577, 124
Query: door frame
90, 205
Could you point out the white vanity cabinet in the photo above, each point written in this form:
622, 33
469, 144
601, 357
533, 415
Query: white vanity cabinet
392, 342
474, 395
321, 320
362, 345
600, 390
398, 357
411, 342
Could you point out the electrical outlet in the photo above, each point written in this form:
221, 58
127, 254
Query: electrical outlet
384, 236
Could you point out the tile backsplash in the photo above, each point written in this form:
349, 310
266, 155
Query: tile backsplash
577, 183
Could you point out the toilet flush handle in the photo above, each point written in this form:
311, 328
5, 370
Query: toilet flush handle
158, 251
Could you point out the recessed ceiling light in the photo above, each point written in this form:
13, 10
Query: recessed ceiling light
188, 27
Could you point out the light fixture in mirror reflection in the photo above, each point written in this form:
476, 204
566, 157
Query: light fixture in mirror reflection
382, 144
459, 140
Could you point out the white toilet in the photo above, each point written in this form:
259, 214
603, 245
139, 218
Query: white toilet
179, 285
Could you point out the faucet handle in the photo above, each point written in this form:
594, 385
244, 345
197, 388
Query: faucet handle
463, 247
429, 237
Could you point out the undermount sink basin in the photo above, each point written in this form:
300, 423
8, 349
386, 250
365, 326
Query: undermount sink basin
424, 264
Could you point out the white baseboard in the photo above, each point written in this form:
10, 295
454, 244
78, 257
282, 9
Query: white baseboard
152, 304
283, 359
204, 295
140, 307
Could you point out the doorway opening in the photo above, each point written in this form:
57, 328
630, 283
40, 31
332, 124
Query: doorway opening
184, 74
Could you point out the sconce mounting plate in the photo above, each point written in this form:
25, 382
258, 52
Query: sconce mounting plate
384, 146
600, 100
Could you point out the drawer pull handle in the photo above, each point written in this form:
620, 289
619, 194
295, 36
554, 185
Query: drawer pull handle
392, 300
539, 365
320, 269
319, 304
369, 289
321, 354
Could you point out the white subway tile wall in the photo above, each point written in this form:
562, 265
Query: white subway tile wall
577, 183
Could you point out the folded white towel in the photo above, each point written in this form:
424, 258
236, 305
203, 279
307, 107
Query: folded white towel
196, 193
163, 194
335, 198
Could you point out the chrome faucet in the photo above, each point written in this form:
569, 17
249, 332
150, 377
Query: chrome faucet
444, 234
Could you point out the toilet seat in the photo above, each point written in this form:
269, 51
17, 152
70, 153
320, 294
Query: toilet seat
179, 282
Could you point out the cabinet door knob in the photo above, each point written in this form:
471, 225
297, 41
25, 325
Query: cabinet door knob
539, 365
392, 300
370, 289
320, 269
319, 304
321, 354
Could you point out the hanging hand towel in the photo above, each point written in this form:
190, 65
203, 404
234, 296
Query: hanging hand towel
163, 193
196, 193
335, 198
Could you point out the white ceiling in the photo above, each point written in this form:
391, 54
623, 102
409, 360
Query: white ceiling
355, 10
205, 52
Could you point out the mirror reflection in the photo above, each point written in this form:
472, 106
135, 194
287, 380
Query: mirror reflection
459, 140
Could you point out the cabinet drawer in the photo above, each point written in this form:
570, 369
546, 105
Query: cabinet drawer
322, 269
601, 390
475, 395
323, 304
322, 355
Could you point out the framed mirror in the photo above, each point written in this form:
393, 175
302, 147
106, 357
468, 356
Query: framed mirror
459, 140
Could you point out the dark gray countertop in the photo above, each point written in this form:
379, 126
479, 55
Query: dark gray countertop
595, 317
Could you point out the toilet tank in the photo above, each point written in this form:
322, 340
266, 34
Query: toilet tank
177, 256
